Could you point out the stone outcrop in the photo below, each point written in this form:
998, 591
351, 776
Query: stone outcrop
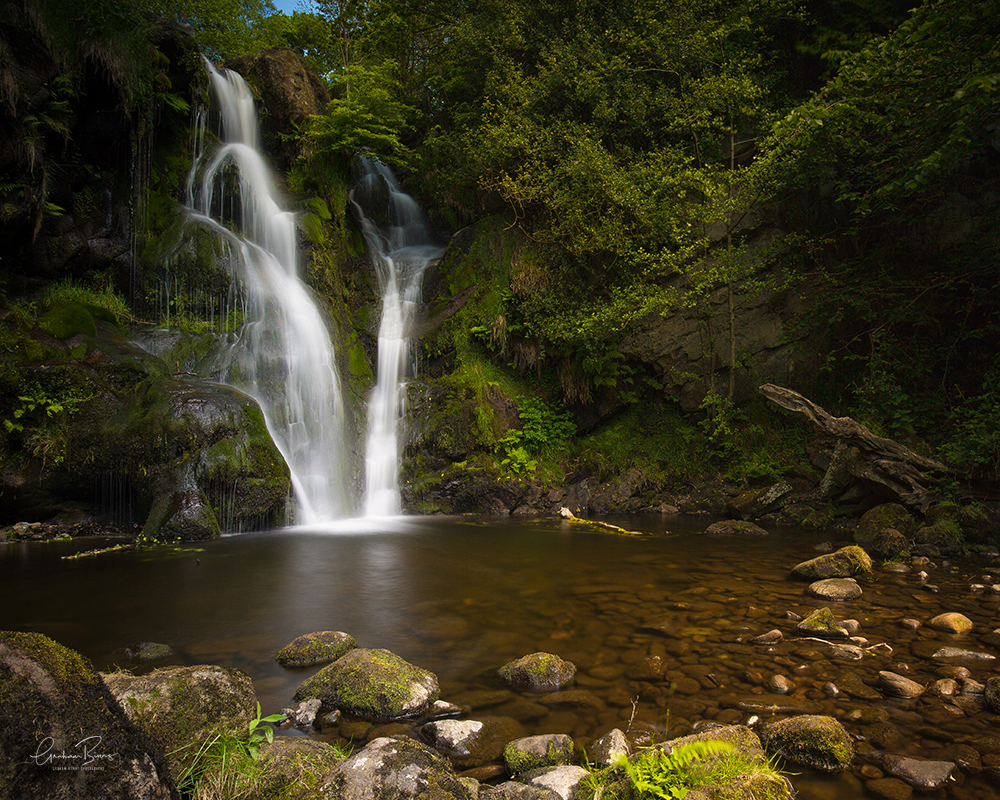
396, 768
289, 91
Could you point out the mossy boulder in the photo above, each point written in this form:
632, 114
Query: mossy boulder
319, 647
758, 502
538, 672
292, 768
945, 534
814, 741
536, 752
396, 768
62, 734
822, 623
887, 515
991, 694
181, 707
375, 685
735, 527
891, 545
843, 563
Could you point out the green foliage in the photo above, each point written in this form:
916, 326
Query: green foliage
658, 773
225, 766
102, 296
543, 431
367, 118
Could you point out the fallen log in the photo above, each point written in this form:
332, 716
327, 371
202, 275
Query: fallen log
859, 453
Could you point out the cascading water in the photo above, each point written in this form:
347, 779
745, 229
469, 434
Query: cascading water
282, 353
401, 248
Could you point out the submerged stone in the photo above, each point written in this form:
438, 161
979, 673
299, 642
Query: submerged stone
837, 589
951, 622
735, 527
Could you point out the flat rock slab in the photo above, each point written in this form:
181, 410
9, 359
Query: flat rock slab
563, 781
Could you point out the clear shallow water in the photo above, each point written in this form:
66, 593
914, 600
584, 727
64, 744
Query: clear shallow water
461, 596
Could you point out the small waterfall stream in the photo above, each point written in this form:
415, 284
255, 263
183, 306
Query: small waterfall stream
282, 354
401, 248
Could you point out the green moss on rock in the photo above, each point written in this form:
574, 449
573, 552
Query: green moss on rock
315, 648
815, 741
843, 563
53, 703
375, 685
888, 515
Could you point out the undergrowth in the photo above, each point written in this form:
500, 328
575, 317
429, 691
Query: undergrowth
662, 774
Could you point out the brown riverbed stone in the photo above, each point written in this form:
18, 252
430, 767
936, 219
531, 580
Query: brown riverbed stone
951, 622
894, 684
889, 789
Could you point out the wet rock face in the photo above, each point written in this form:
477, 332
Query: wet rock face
290, 92
62, 735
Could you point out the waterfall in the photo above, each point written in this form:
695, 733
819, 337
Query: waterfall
401, 248
281, 354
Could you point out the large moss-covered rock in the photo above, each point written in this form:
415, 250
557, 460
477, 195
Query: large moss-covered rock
396, 769
191, 457
843, 563
887, 515
62, 734
181, 707
814, 741
372, 684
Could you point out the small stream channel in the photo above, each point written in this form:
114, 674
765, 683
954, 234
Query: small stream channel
462, 596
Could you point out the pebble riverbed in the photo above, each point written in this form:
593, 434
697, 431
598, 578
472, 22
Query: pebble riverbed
659, 627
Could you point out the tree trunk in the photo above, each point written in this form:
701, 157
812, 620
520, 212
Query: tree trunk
860, 453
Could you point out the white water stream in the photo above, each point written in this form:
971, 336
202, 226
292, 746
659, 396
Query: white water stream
401, 248
282, 354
